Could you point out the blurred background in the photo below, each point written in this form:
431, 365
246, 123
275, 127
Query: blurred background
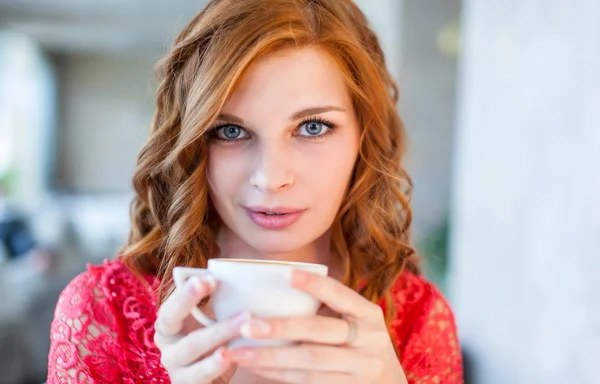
501, 102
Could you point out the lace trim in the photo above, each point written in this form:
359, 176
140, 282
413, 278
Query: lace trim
83, 334
103, 330
427, 334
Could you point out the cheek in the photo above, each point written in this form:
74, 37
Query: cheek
328, 175
222, 175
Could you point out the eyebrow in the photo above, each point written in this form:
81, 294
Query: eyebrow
295, 116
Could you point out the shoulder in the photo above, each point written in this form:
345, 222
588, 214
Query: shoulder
410, 289
84, 335
92, 293
105, 282
425, 331
415, 299
103, 317
83, 294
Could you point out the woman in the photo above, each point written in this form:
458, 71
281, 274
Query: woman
266, 109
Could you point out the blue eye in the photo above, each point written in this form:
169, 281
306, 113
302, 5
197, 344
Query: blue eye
315, 128
312, 128
230, 133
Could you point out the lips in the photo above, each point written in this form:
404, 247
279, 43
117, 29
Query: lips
274, 210
274, 218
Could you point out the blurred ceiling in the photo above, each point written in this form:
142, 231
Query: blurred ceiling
137, 26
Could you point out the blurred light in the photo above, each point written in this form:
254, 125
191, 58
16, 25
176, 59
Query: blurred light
448, 39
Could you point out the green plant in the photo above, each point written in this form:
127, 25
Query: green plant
433, 248
8, 181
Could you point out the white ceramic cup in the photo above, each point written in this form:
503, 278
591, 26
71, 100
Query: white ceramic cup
261, 287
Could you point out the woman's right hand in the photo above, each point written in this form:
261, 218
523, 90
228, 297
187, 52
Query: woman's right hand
195, 356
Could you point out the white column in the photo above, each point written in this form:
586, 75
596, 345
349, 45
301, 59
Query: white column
385, 17
525, 273
27, 122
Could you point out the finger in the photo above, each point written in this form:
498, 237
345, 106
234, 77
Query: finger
206, 370
200, 342
178, 306
323, 358
287, 376
312, 329
332, 293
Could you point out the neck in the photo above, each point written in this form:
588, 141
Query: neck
318, 252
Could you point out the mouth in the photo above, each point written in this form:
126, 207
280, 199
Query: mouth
274, 218
274, 211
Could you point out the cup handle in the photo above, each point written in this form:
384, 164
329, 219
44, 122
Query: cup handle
180, 276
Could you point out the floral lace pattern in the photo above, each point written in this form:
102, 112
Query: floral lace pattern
425, 331
103, 330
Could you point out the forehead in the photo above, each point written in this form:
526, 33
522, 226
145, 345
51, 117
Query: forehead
289, 80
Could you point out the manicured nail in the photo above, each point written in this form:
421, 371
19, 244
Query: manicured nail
194, 284
210, 281
243, 354
241, 318
222, 354
255, 328
300, 277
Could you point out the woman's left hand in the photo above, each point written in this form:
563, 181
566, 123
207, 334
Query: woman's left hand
354, 349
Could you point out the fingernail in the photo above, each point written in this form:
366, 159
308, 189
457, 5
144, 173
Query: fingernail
222, 354
243, 354
209, 280
194, 284
255, 328
241, 318
299, 277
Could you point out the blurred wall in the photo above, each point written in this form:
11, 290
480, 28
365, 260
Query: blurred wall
385, 17
412, 34
427, 105
106, 104
526, 240
27, 117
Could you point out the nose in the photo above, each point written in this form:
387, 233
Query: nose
272, 171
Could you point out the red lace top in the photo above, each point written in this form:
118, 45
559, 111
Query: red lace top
103, 331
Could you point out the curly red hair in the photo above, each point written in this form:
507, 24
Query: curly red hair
173, 221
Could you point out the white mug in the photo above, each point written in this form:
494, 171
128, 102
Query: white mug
261, 287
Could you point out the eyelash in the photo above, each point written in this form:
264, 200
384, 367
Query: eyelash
331, 127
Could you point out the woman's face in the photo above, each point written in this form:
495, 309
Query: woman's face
282, 155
